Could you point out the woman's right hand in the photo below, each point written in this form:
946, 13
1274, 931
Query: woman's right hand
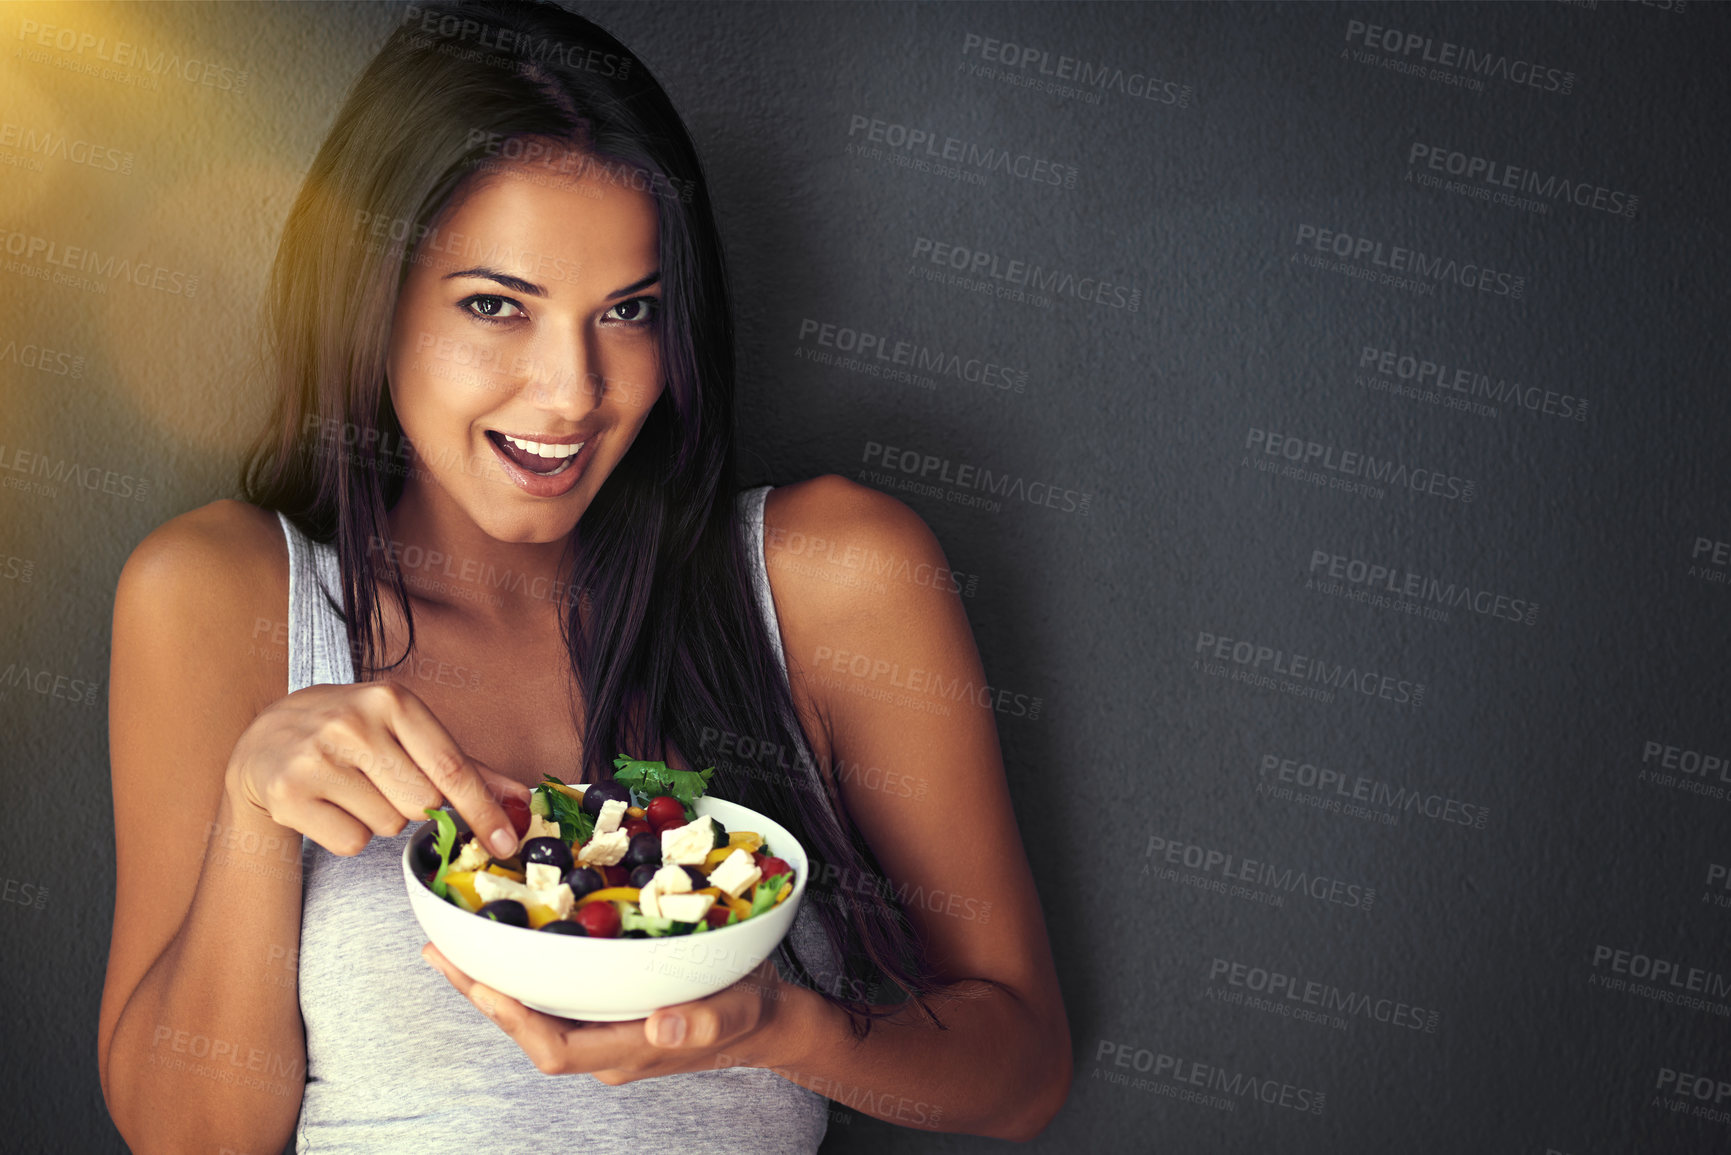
341, 763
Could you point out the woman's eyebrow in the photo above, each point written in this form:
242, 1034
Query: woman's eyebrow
651, 279
515, 284
530, 288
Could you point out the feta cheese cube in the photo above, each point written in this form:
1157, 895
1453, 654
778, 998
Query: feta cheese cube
685, 907
541, 876
473, 856
612, 814
493, 887
649, 899
559, 898
539, 827
690, 844
672, 880
605, 849
735, 873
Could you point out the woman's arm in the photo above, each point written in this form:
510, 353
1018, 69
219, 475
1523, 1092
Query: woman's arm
200, 1043
886, 673
889, 684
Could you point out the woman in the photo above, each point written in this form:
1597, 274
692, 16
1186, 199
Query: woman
490, 535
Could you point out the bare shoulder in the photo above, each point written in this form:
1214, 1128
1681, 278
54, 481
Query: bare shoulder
835, 548
225, 548
206, 580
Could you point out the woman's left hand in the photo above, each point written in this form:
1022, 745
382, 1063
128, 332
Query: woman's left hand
734, 1027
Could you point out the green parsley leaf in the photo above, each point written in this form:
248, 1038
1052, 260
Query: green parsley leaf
447, 839
654, 780
575, 825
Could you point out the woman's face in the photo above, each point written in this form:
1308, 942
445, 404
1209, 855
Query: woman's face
523, 356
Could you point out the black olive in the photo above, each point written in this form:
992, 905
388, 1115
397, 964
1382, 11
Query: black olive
560, 926
644, 849
608, 791
547, 852
506, 910
640, 875
583, 880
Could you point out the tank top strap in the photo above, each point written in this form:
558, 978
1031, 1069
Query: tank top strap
318, 649
751, 502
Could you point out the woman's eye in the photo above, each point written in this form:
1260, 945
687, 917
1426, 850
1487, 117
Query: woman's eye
490, 308
636, 311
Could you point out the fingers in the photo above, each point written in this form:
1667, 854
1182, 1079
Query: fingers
332, 827
709, 1022
453, 773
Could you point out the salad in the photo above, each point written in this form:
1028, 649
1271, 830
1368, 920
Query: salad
626, 858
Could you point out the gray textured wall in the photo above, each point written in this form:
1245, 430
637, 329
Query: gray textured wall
1561, 742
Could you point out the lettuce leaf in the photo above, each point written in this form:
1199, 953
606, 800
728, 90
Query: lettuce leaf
763, 897
446, 840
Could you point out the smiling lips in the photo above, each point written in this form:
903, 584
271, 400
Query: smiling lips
541, 458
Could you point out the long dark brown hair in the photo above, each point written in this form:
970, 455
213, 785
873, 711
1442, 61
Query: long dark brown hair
666, 625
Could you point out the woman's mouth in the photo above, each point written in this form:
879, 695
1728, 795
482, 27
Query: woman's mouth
540, 468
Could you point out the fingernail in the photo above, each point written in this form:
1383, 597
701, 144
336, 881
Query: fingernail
504, 843
670, 1031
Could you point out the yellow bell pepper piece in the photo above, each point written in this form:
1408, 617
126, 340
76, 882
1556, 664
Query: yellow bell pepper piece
715, 858
746, 840
786, 889
461, 883
504, 872
610, 894
540, 916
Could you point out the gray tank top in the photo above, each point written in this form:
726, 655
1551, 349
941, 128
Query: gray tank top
397, 1060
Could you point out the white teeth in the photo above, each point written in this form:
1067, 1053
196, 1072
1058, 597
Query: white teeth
540, 449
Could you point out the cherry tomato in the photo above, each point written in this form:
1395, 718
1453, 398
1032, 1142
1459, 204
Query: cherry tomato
664, 812
635, 826
517, 809
615, 876
772, 866
716, 916
599, 919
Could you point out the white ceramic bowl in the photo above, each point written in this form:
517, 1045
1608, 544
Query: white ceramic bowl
609, 979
